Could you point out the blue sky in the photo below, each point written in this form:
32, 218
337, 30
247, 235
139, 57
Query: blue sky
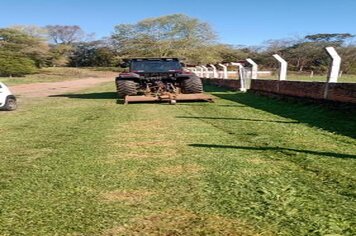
244, 22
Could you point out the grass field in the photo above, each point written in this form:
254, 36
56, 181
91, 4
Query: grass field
245, 165
317, 78
55, 74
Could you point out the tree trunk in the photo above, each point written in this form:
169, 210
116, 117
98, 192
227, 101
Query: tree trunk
301, 68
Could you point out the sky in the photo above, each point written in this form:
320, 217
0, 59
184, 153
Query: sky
237, 22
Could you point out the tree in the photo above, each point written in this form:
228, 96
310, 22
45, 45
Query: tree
348, 55
277, 45
33, 31
230, 53
64, 38
168, 36
60, 54
15, 65
308, 53
21, 43
65, 34
339, 38
18, 48
95, 53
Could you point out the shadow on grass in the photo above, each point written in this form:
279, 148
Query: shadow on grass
278, 149
228, 118
340, 121
232, 106
193, 104
104, 95
190, 104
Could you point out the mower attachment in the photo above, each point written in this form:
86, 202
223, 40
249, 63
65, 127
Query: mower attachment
169, 97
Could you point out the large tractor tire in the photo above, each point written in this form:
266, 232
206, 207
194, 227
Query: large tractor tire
192, 85
126, 87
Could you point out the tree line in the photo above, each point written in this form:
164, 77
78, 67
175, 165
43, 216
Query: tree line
24, 49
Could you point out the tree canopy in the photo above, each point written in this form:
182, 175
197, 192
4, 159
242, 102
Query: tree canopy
168, 36
95, 53
308, 53
24, 48
65, 34
329, 37
20, 53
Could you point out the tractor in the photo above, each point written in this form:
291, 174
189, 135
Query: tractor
158, 80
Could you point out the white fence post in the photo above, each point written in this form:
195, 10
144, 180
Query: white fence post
189, 69
206, 74
254, 68
200, 71
282, 67
225, 75
215, 72
242, 81
334, 69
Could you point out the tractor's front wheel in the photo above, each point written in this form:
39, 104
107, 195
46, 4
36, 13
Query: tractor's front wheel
126, 87
192, 85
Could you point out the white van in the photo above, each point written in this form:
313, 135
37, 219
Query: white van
7, 100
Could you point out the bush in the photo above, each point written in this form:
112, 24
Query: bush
349, 67
14, 65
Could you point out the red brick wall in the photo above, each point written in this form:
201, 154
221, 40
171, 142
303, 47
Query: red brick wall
338, 92
233, 84
342, 92
313, 90
265, 85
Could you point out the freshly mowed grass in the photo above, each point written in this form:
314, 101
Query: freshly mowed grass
54, 74
245, 165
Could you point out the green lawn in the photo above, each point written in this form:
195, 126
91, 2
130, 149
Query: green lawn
55, 74
318, 78
245, 165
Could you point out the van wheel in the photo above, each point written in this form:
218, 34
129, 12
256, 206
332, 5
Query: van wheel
10, 104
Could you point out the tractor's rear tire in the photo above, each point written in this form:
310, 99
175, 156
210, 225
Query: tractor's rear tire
192, 85
126, 87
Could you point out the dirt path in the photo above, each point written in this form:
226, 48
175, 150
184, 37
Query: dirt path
55, 88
